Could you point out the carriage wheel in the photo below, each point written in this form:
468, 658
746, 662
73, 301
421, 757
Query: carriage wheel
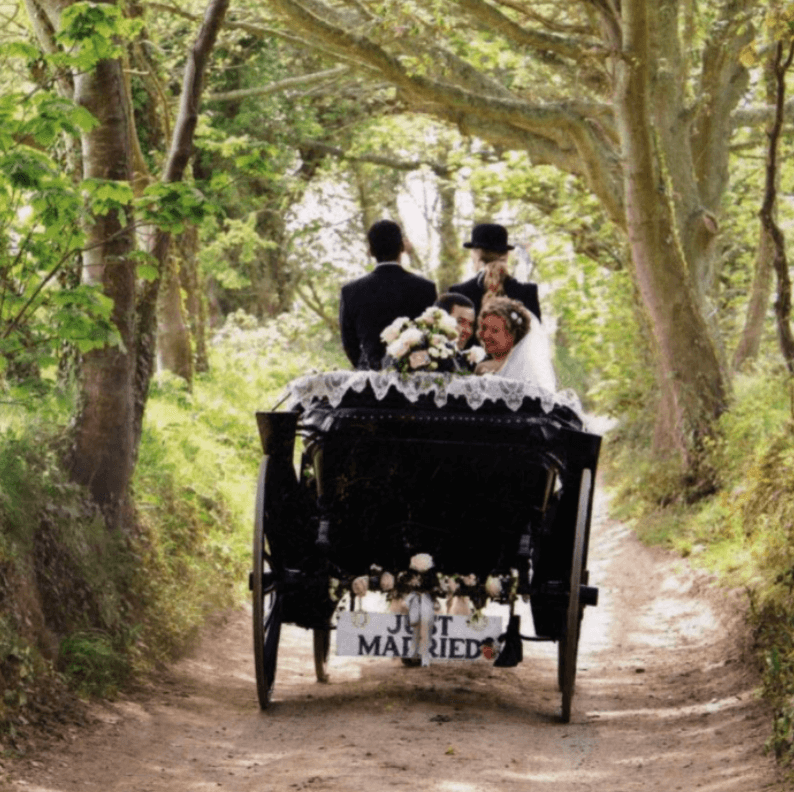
568, 646
322, 644
266, 600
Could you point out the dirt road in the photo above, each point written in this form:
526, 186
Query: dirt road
665, 701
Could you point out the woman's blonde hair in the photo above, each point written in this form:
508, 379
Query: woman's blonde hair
494, 272
516, 317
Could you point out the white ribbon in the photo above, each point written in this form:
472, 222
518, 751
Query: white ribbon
421, 615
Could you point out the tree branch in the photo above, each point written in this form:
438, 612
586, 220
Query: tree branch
490, 18
315, 305
301, 81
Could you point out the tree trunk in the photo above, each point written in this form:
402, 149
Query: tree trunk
451, 255
102, 457
779, 261
688, 361
366, 202
190, 280
761, 290
758, 305
271, 280
174, 351
178, 157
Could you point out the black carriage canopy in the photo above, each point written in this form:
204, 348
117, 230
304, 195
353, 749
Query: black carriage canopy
462, 468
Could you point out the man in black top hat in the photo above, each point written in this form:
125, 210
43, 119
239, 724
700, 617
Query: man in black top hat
371, 303
489, 248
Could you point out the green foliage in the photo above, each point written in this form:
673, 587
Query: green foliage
744, 533
21, 666
91, 32
41, 237
61, 571
768, 522
103, 607
196, 476
170, 206
97, 663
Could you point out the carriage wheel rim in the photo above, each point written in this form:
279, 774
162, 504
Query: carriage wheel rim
570, 643
266, 601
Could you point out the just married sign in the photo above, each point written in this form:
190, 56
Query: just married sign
363, 634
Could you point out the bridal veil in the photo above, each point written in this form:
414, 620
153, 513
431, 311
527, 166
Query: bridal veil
530, 359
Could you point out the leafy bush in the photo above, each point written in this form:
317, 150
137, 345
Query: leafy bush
744, 533
97, 663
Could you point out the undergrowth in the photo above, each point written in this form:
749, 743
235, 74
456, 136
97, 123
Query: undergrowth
92, 609
743, 533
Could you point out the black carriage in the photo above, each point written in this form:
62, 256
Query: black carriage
488, 481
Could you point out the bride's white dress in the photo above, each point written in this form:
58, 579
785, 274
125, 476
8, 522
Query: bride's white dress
530, 359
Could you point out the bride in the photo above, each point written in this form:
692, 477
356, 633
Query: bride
516, 343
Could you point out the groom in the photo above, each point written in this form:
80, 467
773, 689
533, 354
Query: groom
371, 303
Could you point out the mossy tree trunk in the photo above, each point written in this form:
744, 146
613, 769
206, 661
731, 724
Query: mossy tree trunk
695, 390
782, 59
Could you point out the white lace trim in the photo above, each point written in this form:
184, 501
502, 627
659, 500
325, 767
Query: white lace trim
476, 391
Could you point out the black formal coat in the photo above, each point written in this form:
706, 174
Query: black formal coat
526, 293
371, 303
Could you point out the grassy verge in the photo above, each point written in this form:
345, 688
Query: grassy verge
93, 610
744, 533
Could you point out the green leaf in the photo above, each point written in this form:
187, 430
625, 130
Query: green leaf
147, 272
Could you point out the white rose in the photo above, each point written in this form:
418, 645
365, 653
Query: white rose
476, 354
448, 325
397, 348
412, 336
386, 581
450, 585
392, 332
430, 315
493, 586
421, 562
360, 585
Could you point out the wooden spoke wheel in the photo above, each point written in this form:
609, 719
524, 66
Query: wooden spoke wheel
568, 646
266, 597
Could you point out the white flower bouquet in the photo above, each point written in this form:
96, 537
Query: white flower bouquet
427, 343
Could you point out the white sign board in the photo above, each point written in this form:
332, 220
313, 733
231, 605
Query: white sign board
363, 634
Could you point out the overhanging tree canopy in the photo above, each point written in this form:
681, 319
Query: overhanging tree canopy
636, 99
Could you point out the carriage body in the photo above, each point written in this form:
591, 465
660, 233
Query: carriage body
485, 489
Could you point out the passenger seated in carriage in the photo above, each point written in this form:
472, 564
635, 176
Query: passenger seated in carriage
516, 343
461, 309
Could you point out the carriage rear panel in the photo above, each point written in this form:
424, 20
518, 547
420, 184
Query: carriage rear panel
465, 487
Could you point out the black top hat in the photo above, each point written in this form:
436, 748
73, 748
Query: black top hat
489, 236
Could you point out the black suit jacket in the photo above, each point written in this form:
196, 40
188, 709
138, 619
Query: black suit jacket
526, 293
371, 303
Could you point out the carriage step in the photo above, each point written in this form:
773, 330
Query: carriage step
588, 595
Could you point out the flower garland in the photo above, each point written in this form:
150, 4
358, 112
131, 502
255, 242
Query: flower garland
422, 576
